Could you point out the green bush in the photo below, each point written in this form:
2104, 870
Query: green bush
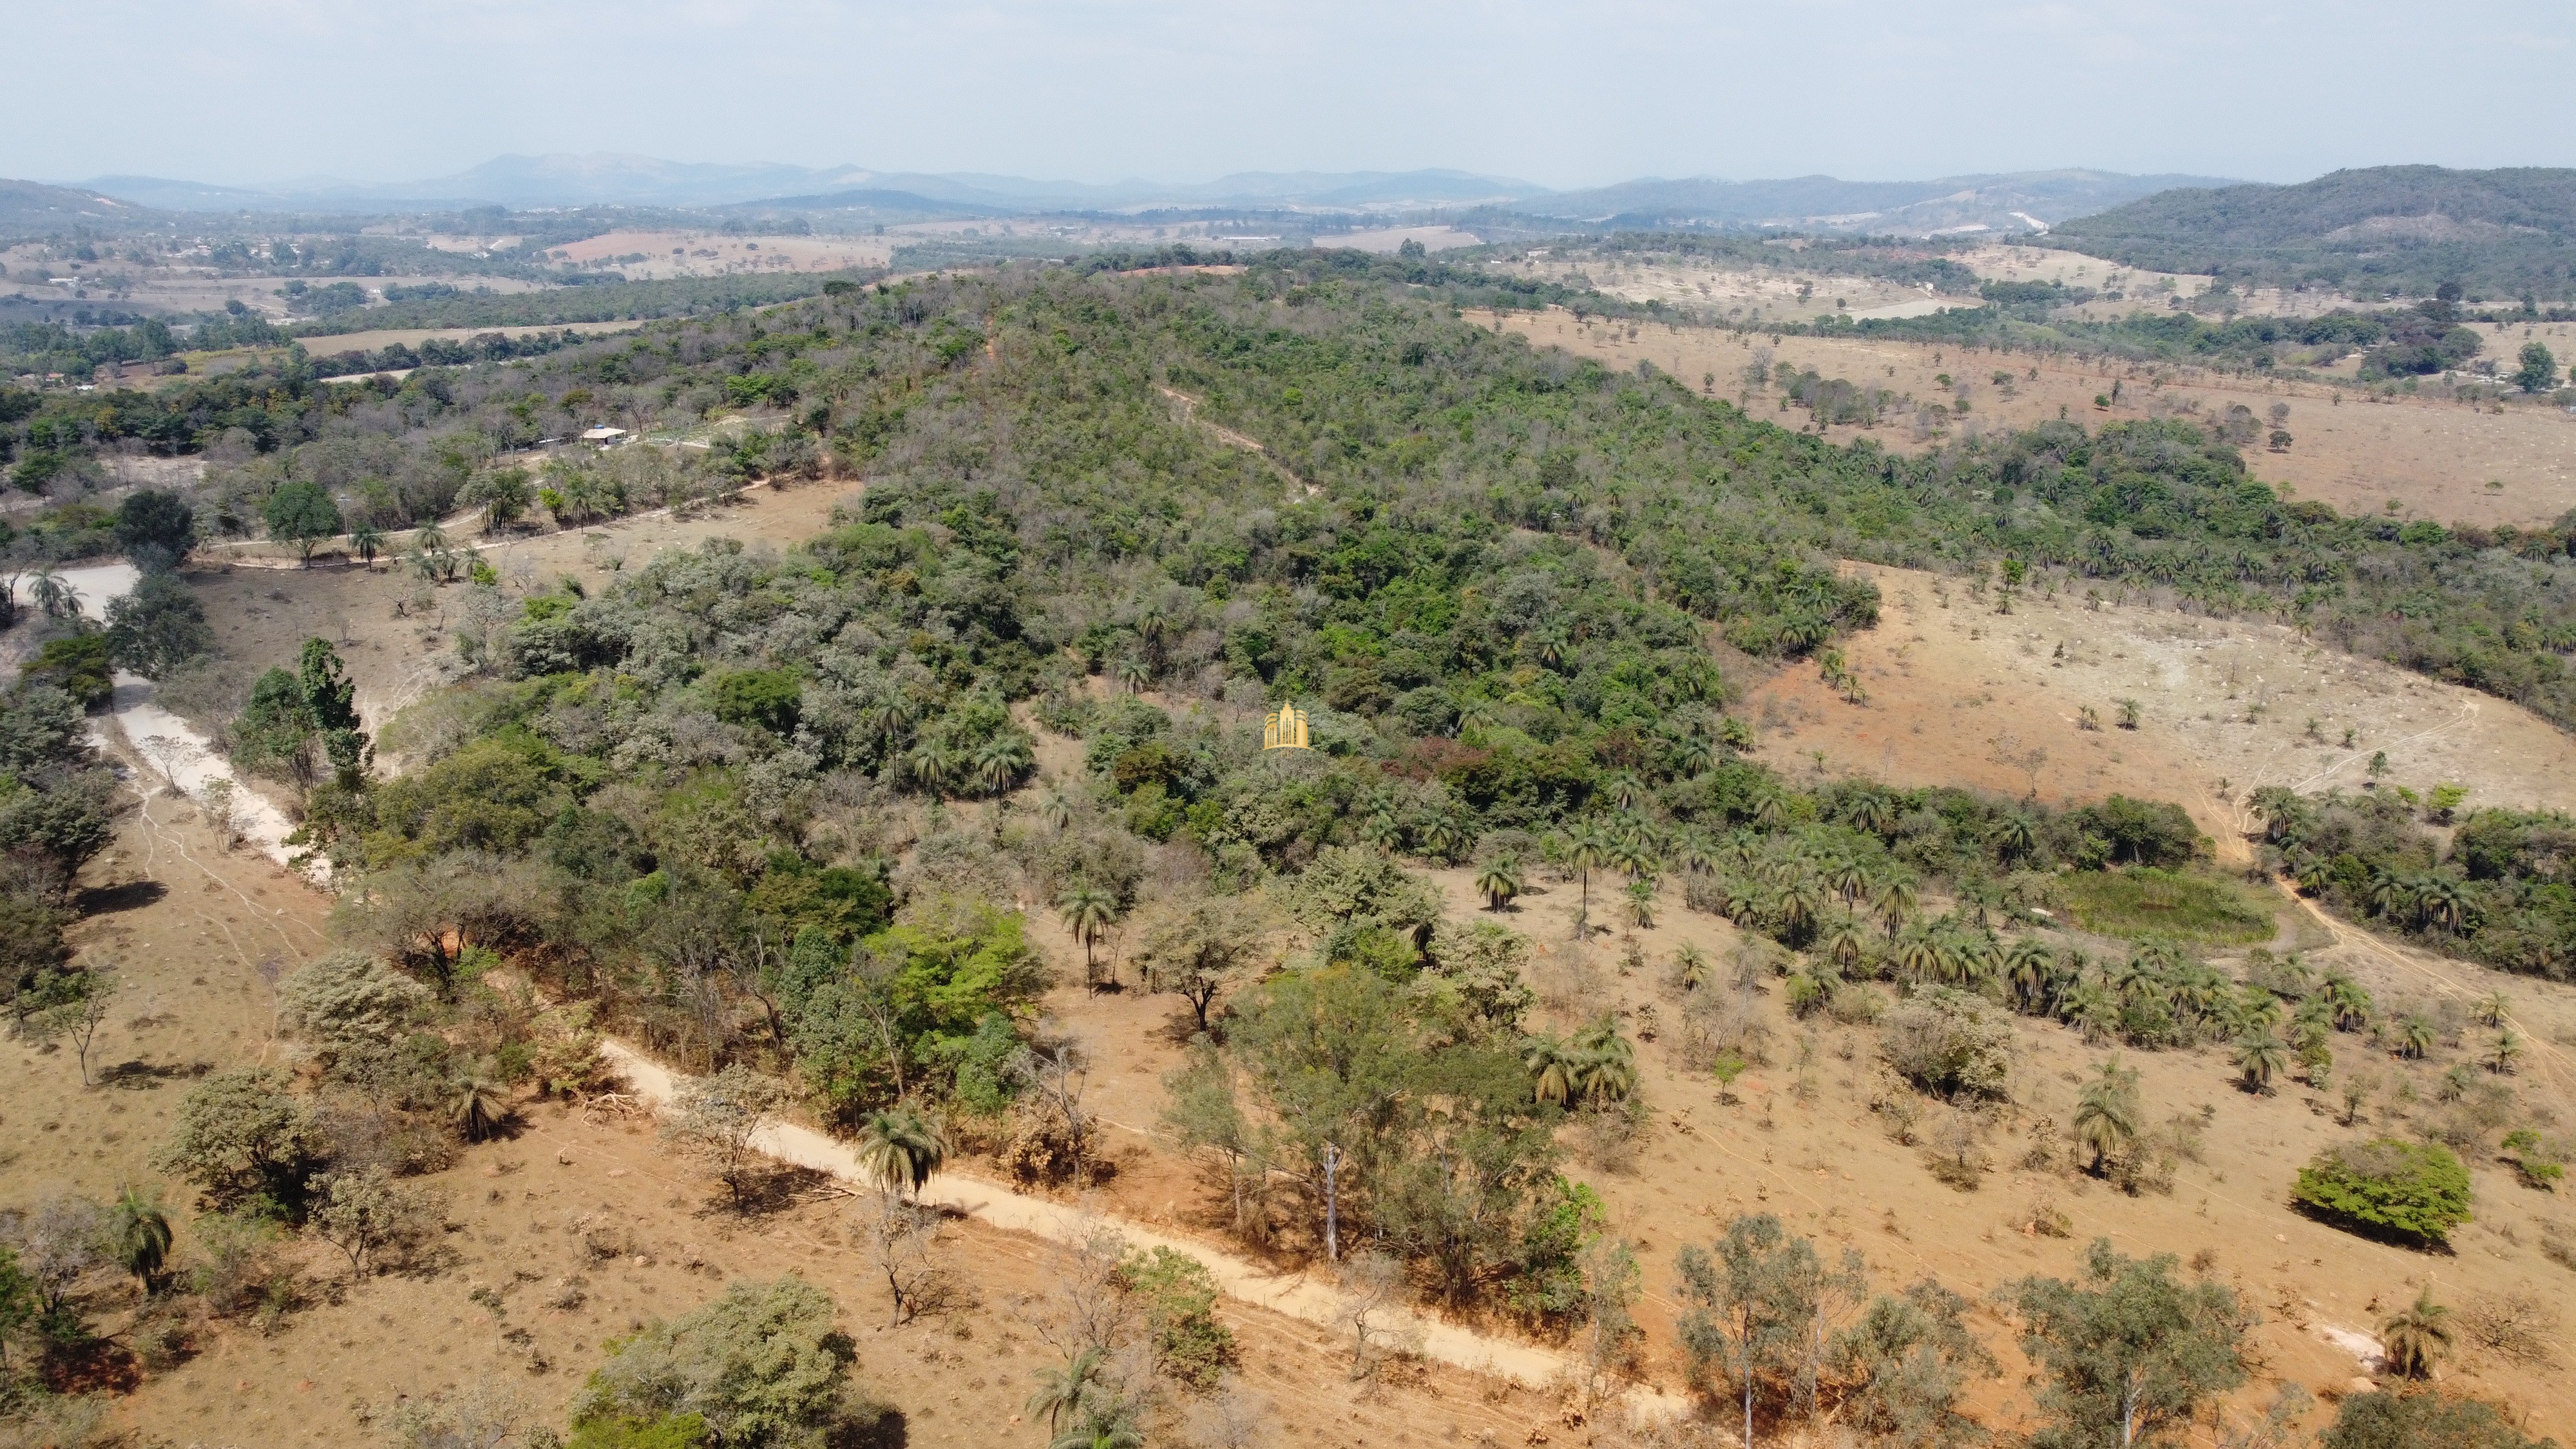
762, 1367
1179, 1297
2411, 1191
78, 665
2426, 1419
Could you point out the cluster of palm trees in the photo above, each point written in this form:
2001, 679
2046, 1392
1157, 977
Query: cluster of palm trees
1596, 1067
929, 763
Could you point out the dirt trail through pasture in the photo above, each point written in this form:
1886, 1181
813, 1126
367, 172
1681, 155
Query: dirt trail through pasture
1298, 1295
1233, 439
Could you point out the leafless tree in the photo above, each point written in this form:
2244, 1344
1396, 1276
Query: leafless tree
1372, 1290
903, 1239
1056, 1074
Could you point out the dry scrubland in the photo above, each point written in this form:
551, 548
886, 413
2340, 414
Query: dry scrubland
584, 1226
2434, 458
1959, 694
716, 254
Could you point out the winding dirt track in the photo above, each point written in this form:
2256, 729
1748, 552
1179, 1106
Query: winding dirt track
1299, 1295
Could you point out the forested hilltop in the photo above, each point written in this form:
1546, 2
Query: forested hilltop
2505, 235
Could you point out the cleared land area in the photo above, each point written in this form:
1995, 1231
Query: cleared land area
2434, 458
1960, 695
652, 255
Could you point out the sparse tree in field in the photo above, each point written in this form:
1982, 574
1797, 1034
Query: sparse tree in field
58, 1242
2106, 1114
242, 1135
2129, 1350
901, 1150
2417, 1337
1905, 1363
2538, 371
368, 1215
903, 1238
167, 752
77, 1017
140, 1232
2131, 712
1088, 912
368, 540
1233, 1417
1200, 949
301, 515
717, 1116
1372, 1289
2492, 1010
1752, 1306
1498, 883
1585, 852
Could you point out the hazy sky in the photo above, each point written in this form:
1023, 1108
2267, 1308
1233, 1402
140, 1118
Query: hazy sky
1562, 92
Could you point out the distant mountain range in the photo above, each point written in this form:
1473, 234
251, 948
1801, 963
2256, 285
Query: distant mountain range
2024, 201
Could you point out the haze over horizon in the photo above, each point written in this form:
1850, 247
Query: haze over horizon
1100, 91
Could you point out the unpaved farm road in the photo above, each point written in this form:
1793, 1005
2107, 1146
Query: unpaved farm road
1300, 1295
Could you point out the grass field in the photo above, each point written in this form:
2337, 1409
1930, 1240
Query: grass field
2174, 905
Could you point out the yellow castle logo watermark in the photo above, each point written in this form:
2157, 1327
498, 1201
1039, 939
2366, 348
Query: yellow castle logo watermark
1284, 729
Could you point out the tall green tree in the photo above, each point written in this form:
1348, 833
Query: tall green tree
2128, 1352
301, 515
1752, 1302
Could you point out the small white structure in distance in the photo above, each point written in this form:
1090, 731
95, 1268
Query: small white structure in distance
602, 436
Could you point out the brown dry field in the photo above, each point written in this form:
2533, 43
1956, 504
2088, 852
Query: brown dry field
384, 337
710, 254
1956, 691
1796, 1136
2434, 458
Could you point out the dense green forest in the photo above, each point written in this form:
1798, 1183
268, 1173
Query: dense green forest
2430, 337
2506, 235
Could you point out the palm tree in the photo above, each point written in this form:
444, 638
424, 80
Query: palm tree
1690, 966
1845, 940
1641, 903
2349, 1001
2417, 1337
1088, 912
1586, 851
1131, 672
1102, 1426
140, 1234
368, 540
1057, 807
1769, 809
1440, 838
1849, 878
2507, 1049
2014, 837
1498, 883
2415, 1035
1552, 1068
53, 594
2491, 1011
930, 767
1895, 900
900, 1149
2030, 972
1062, 1392
1920, 956
2094, 1010
2106, 1114
1797, 903
1876, 813
2260, 1056
1000, 761
1605, 1064
476, 1106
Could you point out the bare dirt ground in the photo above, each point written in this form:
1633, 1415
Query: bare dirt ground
1961, 695
383, 337
713, 254
2433, 458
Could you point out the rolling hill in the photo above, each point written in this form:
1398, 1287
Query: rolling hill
2395, 229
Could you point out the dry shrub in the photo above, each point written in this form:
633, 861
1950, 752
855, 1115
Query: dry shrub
2558, 1246
2049, 1220
1714, 1023
2517, 1326
1037, 1146
239, 1266
1606, 1135
1956, 1154
1854, 1004
1569, 982
1950, 1043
